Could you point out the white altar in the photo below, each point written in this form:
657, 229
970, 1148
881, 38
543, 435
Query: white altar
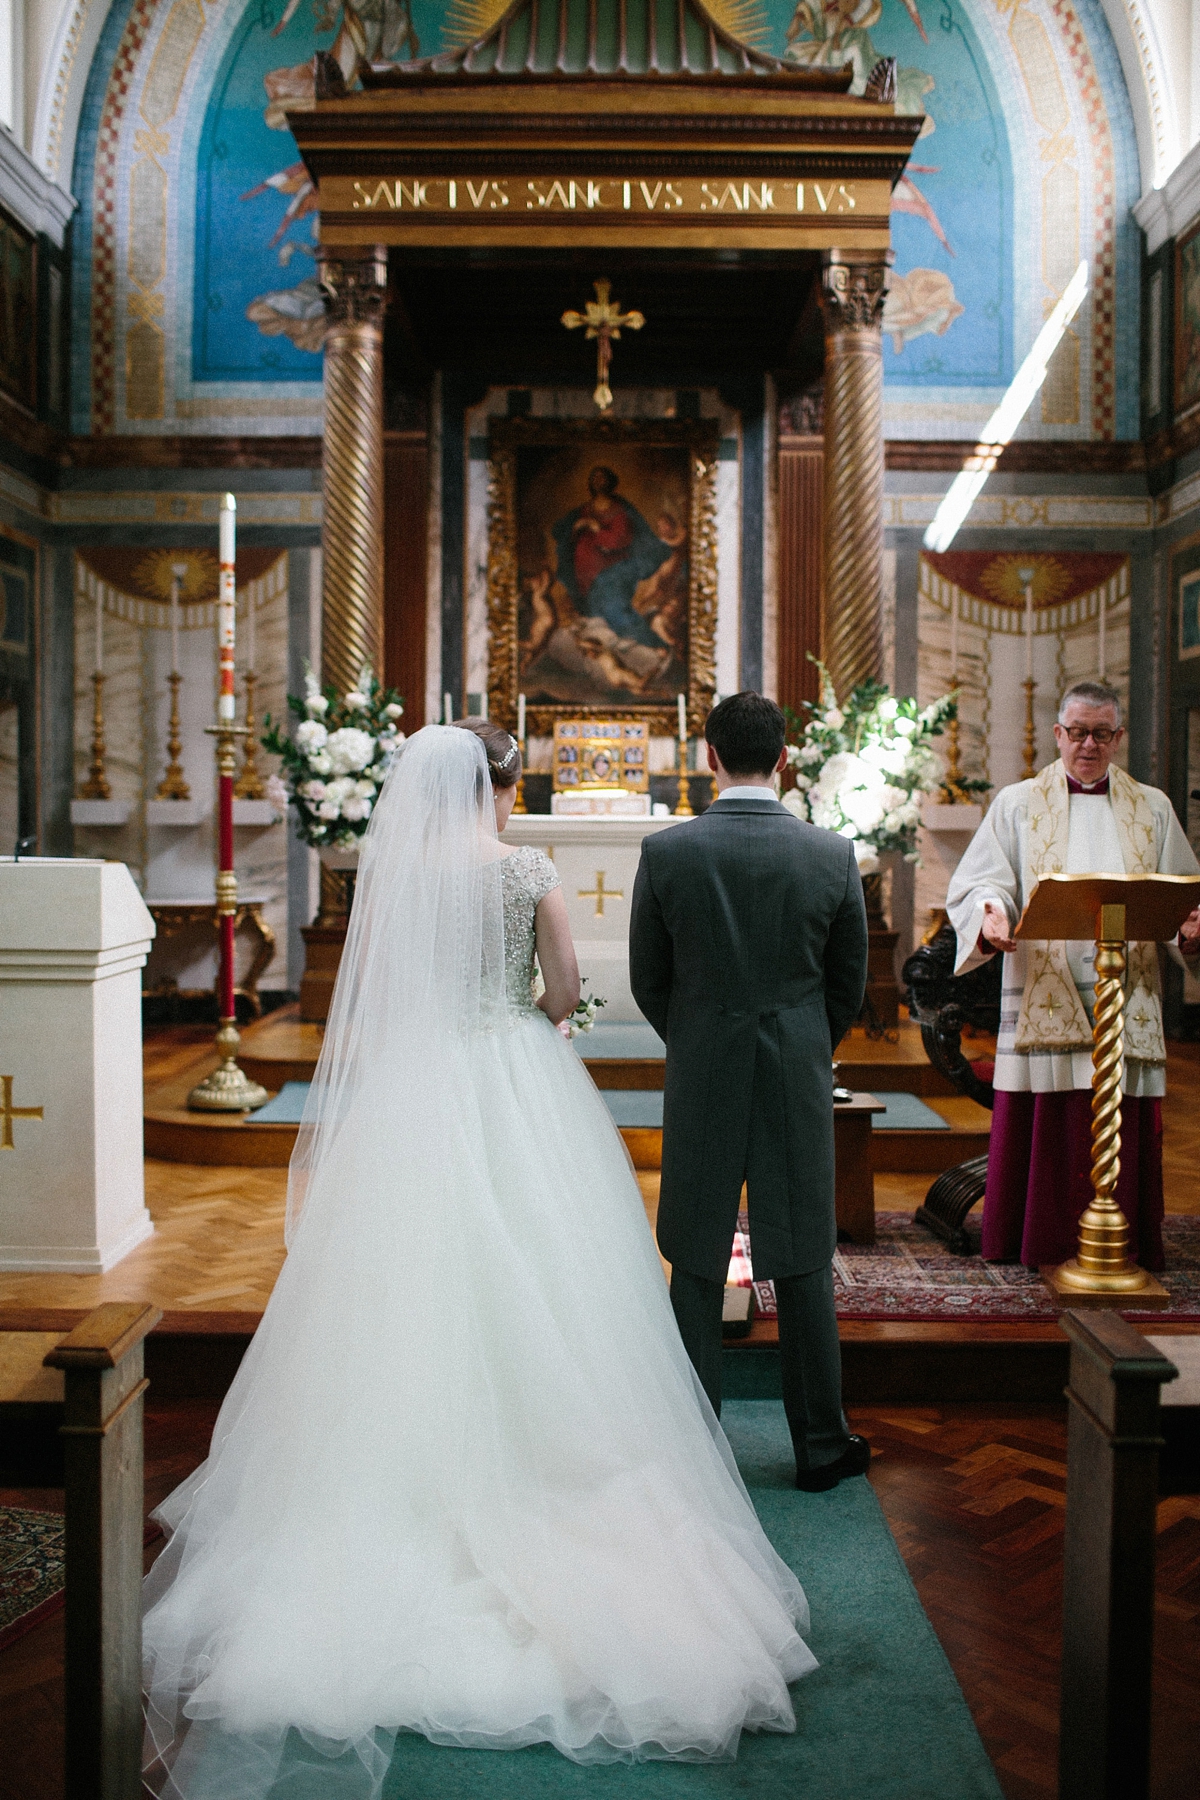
597, 859
74, 935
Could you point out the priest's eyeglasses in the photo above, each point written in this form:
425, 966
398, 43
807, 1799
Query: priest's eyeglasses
1099, 734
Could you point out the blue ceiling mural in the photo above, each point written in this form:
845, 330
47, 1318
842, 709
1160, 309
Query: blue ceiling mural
964, 294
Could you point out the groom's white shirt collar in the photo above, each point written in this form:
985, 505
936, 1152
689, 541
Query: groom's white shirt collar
748, 792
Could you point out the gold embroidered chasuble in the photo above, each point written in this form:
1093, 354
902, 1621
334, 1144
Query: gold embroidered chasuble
1053, 1016
1036, 828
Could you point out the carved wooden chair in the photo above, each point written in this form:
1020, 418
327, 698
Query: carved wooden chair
943, 1004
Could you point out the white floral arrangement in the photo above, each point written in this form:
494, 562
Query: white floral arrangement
862, 769
335, 762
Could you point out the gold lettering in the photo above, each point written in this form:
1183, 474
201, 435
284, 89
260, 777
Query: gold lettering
416, 193
453, 194
673, 199
557, 189
364, 199
764, 199
847, 196
799, 196
822, 199
626, 200
593, 194
650, 199
477, 199
500, 193
539, 199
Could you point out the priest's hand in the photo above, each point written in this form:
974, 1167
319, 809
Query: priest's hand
995, 933
1189, 934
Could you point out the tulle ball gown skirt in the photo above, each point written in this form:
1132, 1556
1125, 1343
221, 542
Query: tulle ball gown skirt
465, 1483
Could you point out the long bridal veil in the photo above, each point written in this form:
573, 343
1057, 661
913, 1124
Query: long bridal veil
465, 1483
423, 965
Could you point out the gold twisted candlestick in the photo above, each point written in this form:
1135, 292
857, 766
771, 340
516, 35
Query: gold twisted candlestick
1103, 1265
173, 786
683, 809
1030, 734
953, 792
519, 805
96, 787
249, 785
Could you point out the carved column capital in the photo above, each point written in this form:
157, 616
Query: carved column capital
354, 288
853, 290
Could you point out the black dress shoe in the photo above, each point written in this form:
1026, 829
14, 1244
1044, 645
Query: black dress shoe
854, 1460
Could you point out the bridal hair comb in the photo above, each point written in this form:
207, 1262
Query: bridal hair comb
505, 761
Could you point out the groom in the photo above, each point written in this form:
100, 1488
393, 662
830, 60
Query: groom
748, 954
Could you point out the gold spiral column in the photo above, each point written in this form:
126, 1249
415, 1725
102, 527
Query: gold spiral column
853, 289
355, 293
352, 532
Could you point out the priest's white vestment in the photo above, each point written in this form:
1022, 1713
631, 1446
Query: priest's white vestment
1033, 828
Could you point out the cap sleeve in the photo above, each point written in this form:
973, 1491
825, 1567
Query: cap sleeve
543, 876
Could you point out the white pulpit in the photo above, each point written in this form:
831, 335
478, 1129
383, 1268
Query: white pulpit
596, 859
74, 935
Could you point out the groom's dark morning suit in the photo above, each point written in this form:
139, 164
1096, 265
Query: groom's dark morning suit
748, 955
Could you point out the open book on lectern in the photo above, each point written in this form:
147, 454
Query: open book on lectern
1068, 906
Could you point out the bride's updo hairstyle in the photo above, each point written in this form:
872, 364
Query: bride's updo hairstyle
502, 751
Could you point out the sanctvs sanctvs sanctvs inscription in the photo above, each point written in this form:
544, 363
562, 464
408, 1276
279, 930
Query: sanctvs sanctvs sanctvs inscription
564, 195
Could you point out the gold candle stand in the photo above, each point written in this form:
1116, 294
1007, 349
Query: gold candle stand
952, 789
519, 805
250, 784
1103, 1268
1030, 735
683, 809
227, 1088
173, 786
96, 786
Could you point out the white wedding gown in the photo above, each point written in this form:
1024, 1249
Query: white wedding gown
465, 1482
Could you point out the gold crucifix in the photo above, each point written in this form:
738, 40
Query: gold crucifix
9, 1112
604, 320
600, 893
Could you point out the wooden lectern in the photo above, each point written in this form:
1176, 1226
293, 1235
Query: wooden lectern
1112, 909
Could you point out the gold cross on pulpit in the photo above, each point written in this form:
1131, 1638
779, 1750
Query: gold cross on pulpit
604, 320
600, 893
9, 1112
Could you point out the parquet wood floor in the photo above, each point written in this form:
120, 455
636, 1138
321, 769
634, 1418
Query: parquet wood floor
975, 1497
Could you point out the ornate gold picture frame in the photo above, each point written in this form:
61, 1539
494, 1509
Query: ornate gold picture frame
602, 570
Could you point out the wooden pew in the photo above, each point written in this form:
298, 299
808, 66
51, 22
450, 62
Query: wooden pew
1113, 1443
102, 1363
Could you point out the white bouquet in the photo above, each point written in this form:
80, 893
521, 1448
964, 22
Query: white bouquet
862, 770
334, 765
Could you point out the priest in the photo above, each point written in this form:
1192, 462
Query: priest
1083, 815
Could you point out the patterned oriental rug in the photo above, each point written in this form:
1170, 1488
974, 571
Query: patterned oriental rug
32, 1569
908, 1274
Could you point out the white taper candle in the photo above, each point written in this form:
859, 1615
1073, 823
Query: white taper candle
681, 700
175, 621
447, 710
954, 641
1102, 657
521, 720
1029, 631
227, 605
99, 631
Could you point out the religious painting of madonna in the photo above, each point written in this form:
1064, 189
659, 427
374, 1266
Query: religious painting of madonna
601, 569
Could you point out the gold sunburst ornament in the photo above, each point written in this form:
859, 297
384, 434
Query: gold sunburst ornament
604, 319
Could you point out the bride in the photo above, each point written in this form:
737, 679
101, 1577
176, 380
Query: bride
465, 1482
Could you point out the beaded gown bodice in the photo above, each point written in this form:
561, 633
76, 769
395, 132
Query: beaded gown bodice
526, 876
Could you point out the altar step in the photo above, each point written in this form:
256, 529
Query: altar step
282, 1048
626, 1061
